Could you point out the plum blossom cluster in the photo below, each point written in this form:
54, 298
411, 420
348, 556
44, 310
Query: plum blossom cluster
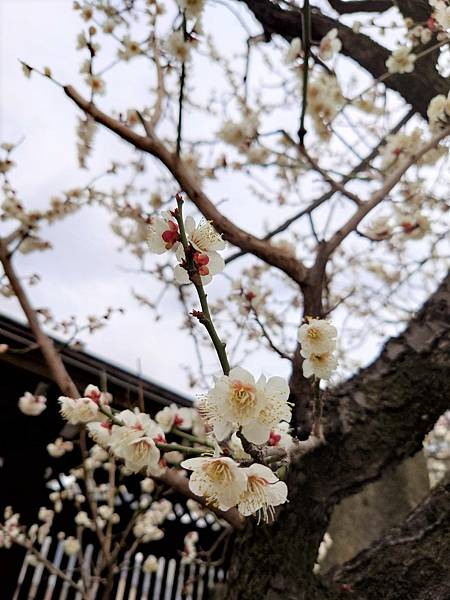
239, 403
204, 244
317, 338
84, 409
439, 111
224, 484
133, 437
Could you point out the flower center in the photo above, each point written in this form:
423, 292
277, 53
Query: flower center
313, 333
218, 471
242, 398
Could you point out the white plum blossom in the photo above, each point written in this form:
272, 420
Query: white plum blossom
100, 432
163, 234
330, 45
174, 416
32, 405
96, 83
177, 46
438, 111
415, 225
189, 553
79, 410
379, 228
319, 365
134, 442
401, 60
206, 241
317, 336
10, 530
150, 564
71, 546
264, 491
59, 447
219, 480
275, 410
237, 400
294, 51
441, 13
240, 134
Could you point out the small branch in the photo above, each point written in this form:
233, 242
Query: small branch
181, 95
52, 358
205, 316
344, 7
268, 337
330, 246
336, 186
306, 38
244, 240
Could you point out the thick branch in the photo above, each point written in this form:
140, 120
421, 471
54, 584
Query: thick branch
410, 561
274, 256
51, 355
417, 88
352, 6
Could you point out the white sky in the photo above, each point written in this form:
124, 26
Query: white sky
84, 273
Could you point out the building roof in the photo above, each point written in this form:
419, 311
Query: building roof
127, 388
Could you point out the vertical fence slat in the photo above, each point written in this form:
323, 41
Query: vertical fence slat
159, 578
69, 572
39, 569
53, 578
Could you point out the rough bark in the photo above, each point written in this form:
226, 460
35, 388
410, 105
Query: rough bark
417, 88
411, 561
374, 420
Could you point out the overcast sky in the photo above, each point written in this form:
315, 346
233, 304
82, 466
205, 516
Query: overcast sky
85, 273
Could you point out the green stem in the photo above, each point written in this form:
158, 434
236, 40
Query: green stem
183, 449
181, 95
190, 437
205, 316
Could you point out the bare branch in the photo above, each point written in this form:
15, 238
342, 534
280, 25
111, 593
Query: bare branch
235, 235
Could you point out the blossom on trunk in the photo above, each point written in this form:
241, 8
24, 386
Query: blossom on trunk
32, 405
321, 366
317, 336
264, 491
219, 480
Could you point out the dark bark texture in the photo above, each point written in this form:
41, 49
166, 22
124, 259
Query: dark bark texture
373, 421
411, 561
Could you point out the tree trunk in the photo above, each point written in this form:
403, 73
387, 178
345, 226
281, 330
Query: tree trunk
361, 519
